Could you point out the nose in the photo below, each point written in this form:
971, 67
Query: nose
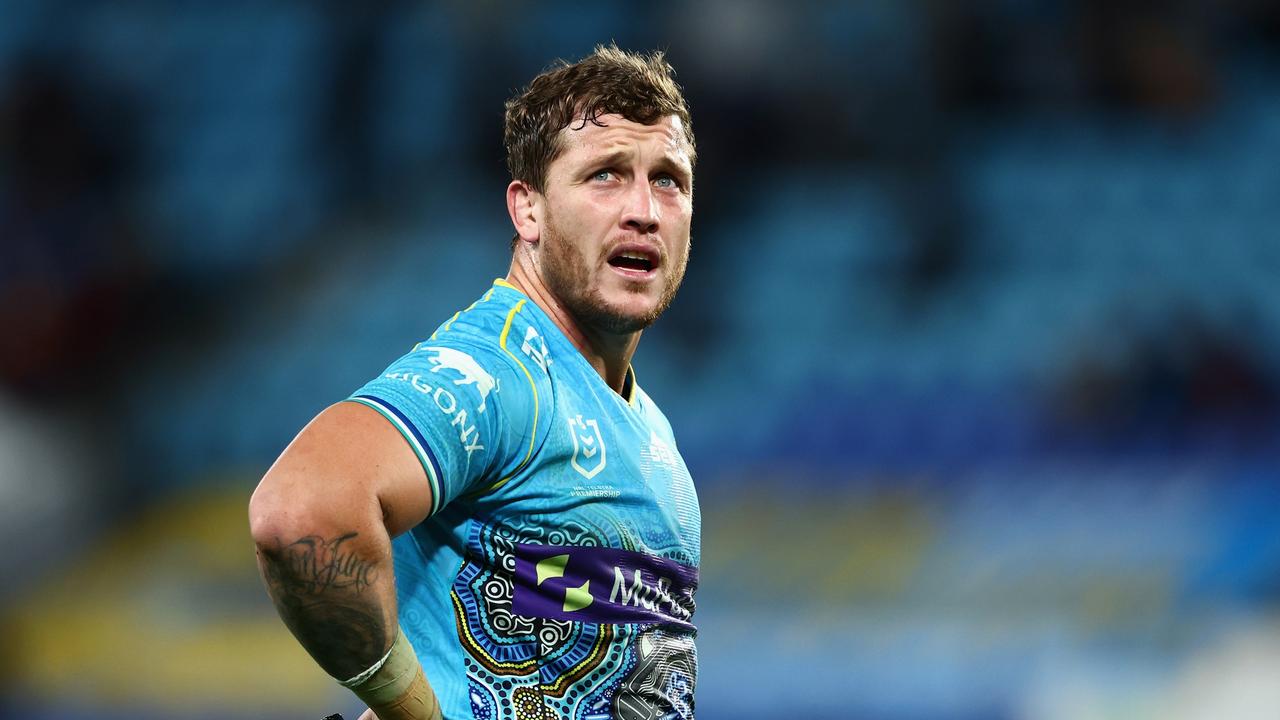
641, 211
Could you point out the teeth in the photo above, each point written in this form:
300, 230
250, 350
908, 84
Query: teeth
633, 256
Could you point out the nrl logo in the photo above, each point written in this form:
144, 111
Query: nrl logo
588, 447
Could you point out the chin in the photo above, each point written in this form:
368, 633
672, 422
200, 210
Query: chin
630, 319
632, 304
620, 317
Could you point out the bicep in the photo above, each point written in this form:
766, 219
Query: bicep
351, 463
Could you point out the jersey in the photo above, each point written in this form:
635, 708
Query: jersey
555, 575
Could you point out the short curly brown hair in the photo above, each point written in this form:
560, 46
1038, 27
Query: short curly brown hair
639, 87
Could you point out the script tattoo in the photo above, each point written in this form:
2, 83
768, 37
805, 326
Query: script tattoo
313, 565
318, 585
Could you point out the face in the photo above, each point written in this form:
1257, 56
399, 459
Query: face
615, 227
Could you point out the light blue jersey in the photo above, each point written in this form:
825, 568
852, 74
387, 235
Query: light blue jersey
556, 573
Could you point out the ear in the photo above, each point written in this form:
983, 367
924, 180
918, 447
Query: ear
524, 205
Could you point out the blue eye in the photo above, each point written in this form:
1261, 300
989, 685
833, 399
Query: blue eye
666, 181
601, 175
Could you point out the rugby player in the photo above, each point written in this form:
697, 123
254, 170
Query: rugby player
500, 525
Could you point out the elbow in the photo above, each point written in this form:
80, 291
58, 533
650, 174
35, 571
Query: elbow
270, 519
281, 511
285, 508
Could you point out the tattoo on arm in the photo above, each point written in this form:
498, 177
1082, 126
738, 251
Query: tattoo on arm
313, 565
319, 588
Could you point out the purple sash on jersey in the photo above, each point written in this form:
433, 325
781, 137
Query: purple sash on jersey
602, 585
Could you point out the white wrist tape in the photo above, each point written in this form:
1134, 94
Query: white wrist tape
390, 678
372, 668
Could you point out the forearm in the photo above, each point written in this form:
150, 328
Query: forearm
335, 590
333, 584
336, 594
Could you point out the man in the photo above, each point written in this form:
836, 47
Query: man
546, 530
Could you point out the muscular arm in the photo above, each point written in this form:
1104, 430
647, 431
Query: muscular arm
327, 592
322, 519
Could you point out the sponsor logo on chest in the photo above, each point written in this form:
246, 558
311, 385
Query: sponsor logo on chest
604, 585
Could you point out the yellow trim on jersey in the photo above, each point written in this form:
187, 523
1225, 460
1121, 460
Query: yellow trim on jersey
488, 295
533, 435
450, 321
448, 324
631, 396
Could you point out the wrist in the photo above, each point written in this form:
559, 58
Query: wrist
395, 687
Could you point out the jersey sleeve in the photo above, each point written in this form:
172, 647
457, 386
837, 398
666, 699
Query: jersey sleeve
468, 410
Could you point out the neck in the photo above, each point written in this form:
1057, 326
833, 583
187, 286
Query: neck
609, 353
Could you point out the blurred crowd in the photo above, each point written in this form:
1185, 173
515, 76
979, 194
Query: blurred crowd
965, 246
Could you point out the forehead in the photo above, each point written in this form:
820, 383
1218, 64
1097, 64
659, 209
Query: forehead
614, 133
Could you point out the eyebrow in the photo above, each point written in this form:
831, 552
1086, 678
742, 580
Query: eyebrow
612, 158
665, 162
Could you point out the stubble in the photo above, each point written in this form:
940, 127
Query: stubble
568, 275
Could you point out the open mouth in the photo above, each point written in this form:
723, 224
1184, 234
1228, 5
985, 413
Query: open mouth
632, 261
637, 260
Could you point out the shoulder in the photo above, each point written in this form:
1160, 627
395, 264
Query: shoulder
502, 329
473, 359
480, 343
489, 356
456, 368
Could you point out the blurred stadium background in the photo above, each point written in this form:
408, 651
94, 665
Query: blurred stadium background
977, 362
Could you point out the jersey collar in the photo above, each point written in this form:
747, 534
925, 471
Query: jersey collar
628, 393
